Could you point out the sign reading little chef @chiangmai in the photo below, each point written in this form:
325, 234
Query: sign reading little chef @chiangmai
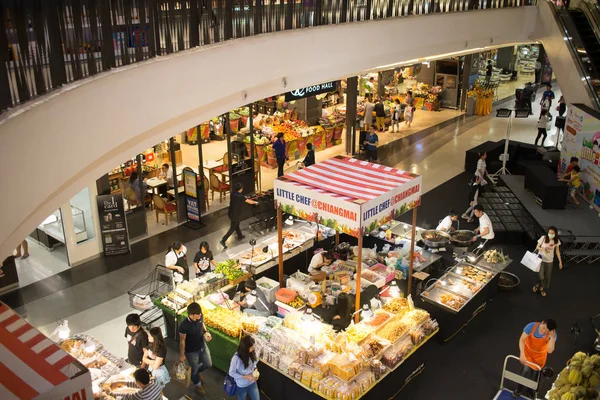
346, 194
311, 91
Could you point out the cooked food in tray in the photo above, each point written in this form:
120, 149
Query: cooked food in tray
494, 257
473, 273
396, 305
452, 301
459, 285
441, 296
294, 236
435, 236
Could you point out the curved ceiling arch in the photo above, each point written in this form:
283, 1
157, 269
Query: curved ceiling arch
60, 143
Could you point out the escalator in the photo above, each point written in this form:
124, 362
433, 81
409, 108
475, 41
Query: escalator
587, 36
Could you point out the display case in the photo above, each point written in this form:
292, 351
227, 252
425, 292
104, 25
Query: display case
50, 233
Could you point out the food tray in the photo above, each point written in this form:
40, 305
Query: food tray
285, 295
435, 294
387, 272
460, 285
477, 274
380, 318
368, 278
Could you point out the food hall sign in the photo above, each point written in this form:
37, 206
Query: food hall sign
311, 91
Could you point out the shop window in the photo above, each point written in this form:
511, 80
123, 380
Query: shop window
83, 220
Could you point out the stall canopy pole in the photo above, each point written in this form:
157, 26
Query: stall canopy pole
358, 272
200, 185
280, 245
412, 248
337, 238
174, 166
142, 200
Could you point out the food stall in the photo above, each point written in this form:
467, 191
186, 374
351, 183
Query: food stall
463, 290
34, 367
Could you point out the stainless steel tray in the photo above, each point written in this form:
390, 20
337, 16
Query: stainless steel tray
482, 275
434, 295
460, 285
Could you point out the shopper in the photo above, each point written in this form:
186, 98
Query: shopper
527, 95
379, 115
369, 107
473, 196
148, 390
396, 115
409, 110
155, 355
574, 184
562, 106
193, 337
485, 230
203, 260
481, 171
537, 341
140, 191
488, 72
310, 156
243, 369
343, 312
259, 305
166, 173
318, 261
176, 259
445, 225
280, 153
542, 127
25, 253
547, 95
370, 86
137, 340
547, 246
235, 213
371, 142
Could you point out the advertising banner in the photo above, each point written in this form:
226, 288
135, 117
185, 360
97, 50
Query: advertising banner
190, 184
391, 205
192, 207
309, 205
311, 91
582, 140
113, 225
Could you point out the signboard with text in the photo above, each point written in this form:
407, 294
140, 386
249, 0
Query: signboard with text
113, 225
190, 183
311, 91
582, 140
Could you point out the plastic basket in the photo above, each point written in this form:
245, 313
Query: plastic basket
285, 295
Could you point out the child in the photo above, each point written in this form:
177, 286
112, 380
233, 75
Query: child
574, 183
310, 156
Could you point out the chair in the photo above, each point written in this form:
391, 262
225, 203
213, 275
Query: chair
217, 186
206, 186
257, 174
163, 207
131, 197
223, 168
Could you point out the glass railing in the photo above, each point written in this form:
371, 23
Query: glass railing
47, 44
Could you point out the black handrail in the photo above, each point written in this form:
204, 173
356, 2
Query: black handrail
45, 44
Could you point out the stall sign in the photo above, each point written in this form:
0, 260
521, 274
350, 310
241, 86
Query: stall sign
391, 205
190, 182
193, 210
343, 216
582, 140
311, 91
113, 225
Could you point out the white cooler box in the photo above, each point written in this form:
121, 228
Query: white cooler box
269, 293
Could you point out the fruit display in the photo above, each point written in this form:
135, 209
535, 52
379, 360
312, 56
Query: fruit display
494, 257
397, 305
579, 380
297, 302
224, 320
230, 269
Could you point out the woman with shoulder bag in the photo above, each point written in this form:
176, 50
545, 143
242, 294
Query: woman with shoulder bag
547, 246
396, 115
155, 355
243, 369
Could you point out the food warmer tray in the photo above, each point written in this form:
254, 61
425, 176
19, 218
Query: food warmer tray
460, 285
461, 270
433, 295
496, 268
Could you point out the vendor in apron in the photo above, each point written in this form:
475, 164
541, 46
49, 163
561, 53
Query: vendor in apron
537, 341
176, 260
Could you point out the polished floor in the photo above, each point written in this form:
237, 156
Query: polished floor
93, 297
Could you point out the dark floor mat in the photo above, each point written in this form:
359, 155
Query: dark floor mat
508, 219
513, 227
489, 195
515, 207
507, 195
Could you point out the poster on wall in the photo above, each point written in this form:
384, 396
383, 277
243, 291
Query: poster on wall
190, 184
582, 140
113, 225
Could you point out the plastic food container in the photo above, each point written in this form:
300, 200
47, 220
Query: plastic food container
370, 278
285, 295
269, 287
388, 272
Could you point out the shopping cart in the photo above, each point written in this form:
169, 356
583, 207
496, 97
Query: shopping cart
152, 286
507, 394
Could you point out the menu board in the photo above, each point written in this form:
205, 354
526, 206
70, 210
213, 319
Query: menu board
113, 225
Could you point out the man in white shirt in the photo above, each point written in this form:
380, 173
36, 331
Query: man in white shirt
485, 230
446, 224
166, 173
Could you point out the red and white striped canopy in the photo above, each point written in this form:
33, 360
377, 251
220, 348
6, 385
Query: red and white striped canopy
30, 363
350, 179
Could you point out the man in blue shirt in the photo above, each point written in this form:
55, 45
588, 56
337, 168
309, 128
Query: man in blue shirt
371, 143
548, 94
279, 147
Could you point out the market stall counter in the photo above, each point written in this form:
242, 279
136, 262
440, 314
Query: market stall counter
463, 291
